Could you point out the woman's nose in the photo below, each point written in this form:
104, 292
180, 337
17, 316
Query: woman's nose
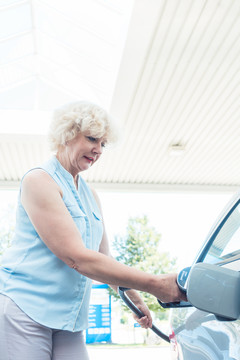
98, 148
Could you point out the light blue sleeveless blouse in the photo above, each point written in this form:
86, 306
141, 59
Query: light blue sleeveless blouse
42, 285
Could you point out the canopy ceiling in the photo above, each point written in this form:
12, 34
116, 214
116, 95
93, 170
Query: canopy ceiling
168, 71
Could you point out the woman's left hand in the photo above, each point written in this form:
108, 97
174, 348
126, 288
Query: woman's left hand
145, 321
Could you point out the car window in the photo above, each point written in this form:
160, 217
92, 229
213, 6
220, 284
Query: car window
226, 245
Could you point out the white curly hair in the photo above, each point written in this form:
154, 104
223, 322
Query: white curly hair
80, 117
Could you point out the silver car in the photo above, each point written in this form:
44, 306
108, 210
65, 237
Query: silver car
210, 329
208, 326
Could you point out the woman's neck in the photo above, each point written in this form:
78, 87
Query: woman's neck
64, 161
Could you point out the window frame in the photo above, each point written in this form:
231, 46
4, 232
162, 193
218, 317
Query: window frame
228, 210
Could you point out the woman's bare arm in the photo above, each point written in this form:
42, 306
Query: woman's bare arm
42, 200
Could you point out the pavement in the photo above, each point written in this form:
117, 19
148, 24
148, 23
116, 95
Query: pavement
119, 352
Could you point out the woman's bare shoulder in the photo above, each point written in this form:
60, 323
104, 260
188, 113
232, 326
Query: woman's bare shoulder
39, 180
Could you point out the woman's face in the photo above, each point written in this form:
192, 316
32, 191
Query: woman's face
83, 151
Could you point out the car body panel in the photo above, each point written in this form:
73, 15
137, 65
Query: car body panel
200, 335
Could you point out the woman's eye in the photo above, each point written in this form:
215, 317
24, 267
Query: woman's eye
95, 140
91, 138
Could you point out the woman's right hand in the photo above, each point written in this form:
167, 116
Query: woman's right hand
167, 289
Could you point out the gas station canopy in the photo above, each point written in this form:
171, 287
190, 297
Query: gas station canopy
168, 72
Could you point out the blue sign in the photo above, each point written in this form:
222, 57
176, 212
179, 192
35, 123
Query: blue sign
99, 315
136, 325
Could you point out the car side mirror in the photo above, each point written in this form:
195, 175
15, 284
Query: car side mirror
214, 289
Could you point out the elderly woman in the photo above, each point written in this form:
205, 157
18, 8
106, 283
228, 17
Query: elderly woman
60, 244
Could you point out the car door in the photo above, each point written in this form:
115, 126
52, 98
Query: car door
197, 333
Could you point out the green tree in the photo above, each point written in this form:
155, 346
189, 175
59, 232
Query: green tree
140, 248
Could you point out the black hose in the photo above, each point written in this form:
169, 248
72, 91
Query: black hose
139, 313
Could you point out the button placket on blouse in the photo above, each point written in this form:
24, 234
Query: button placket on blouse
83, 281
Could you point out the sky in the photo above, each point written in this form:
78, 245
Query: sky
183, 219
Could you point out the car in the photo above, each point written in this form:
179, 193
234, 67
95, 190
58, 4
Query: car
207, 327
